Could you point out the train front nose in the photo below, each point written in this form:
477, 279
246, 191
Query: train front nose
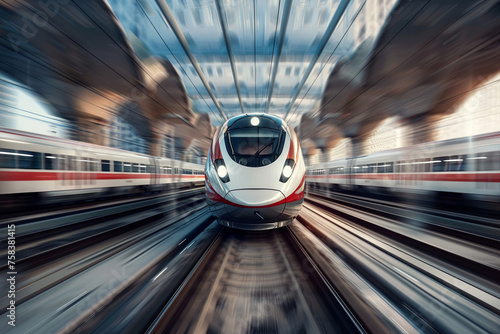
254, 205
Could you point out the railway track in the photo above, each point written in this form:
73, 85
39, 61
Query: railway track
61, 285
412, 271
256, 283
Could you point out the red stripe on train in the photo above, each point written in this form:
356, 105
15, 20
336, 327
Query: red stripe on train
57, 176
297, 195
436, 177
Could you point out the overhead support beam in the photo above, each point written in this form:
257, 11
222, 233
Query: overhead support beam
227, 40
170, 20
284, 23
322, 44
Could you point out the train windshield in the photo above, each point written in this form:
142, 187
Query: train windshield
254, 141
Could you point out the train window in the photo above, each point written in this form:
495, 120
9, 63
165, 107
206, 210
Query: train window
85, 164
127, 167
92, 165
417, 166
117, 166
456, 163
142, 168
29, 160
50, 161
70, 162
488, 161
254, 141
381, 167
62, 162
7, 158
439, 164
105, 166
389, 167
373, 168
176, 170
426, 165
135, 168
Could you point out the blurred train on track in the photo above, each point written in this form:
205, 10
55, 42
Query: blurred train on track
43, 169
255, 173
448, 169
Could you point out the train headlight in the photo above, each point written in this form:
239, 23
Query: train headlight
287, 170
221, 170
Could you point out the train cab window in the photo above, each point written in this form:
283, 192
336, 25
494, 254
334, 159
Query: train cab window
254, 141
127, 167
135, 168
117, 166
7, 158
105, 166
29, 160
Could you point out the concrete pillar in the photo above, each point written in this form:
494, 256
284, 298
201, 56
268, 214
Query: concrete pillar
156, 145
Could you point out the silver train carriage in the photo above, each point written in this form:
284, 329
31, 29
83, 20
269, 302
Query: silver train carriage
49, 169
467, 167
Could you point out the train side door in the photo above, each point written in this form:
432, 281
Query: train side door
350, 173
154, 171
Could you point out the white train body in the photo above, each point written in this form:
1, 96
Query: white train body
468, 166
58, 168
255, 173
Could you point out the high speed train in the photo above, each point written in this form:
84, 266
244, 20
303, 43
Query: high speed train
255, 173
465, 166
44, 169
